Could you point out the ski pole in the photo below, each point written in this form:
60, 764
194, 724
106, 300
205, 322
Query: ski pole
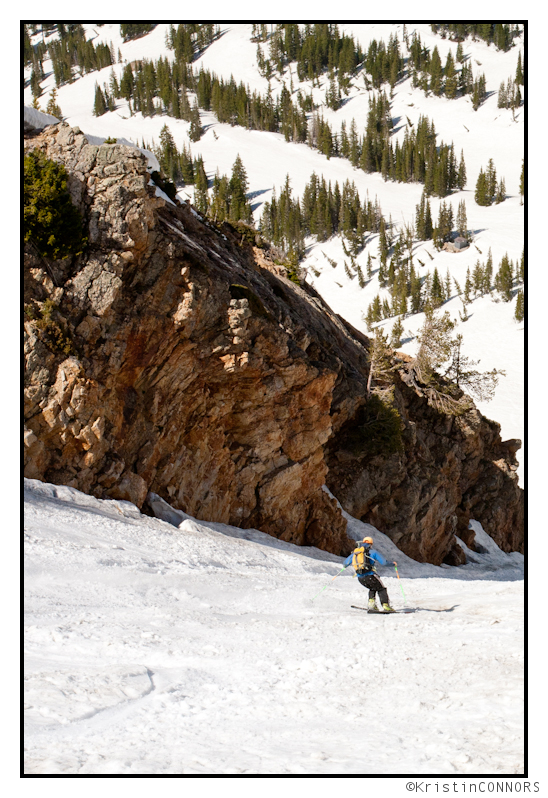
399, 582
323, 588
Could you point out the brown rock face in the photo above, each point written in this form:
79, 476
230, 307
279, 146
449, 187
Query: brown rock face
196, 370
453, 468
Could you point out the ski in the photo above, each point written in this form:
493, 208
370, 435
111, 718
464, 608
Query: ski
382, 612
403, 610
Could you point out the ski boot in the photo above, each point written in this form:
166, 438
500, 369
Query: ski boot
388, 608
372, 606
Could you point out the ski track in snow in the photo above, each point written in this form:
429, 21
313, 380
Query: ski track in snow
200, 650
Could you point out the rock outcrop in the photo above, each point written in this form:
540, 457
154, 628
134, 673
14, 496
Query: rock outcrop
176, 357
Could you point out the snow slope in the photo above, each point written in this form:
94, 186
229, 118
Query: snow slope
206, 649
491, 335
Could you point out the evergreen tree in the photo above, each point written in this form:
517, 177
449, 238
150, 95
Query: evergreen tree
201, 196
462, 221
444, 229
375, 310
519, 314
436, 291
519, 72
168, 155
381, 367
488, 274
481, 194
447, 286
220, 202
501, 192
436, 73
477, 278
238, 185
51, 222
195, 131
383, 245
461, 371
502, 101
100, 105
491, 180
186, 166
479, 93
396, 335
467, 287
504, 279
451, 80
35, 84
113, 83
52, 106
127, 83
435, 345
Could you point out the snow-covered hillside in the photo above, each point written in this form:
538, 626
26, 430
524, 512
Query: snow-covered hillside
491, 335
206, 649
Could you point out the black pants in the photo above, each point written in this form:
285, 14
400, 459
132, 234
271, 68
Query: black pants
375, 586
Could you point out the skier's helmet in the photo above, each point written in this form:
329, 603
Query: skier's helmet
368, 540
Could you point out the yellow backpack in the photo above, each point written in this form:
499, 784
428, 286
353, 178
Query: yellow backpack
361, 561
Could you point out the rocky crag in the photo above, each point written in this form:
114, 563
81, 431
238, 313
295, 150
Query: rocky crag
175, 356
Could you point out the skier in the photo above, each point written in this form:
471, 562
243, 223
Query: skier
363, 560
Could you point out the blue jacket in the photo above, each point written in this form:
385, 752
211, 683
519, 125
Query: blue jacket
375, 555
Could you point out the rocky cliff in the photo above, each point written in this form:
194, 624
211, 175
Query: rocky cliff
174, 356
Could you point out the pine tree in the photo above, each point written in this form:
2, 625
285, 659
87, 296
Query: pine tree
52, 106
462, 221
127, 83
491, 180
168, 155
504, 279
238, 185
396, 335
467, 287
478, 94
436, 73
447, 286
35, 84
201, 196
435, 345
99, 106
383, 245
451, 80
51, 222
381, 367
488, 274
186, 166
519, 314
477, 278
501, 192
482, 191
461, 371
195, 131
436, 290
519, 72
502, 101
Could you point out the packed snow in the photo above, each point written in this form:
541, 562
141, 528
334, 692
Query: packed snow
206, 649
